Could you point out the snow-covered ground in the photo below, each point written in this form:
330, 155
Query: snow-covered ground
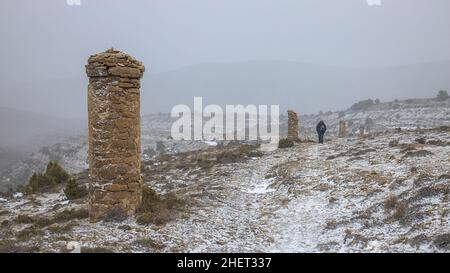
378, 194
72, 153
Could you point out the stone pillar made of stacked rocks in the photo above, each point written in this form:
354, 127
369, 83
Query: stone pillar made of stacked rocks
342, 129
114, 133
362, 131
293, 126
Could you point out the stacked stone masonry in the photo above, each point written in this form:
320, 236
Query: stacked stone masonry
293, 126
343, 129
114, 133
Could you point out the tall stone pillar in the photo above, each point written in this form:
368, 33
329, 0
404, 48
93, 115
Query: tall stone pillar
114, 133
342, 129
293, 126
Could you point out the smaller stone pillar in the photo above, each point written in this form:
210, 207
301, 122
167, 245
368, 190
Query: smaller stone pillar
293, 126
361, 131
342, 129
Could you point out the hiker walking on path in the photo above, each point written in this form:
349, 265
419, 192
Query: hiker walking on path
321, 128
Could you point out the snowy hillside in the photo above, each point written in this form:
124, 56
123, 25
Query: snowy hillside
387, 193
72, 153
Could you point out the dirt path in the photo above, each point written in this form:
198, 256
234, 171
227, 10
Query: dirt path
255, 213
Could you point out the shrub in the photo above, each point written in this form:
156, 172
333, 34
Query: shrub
74, 191
96, 250
162, 217
442, 241
60, 228
71, 214
24, 219
442, 95
239, 154
149, 243
421, 140
150, 200
116, 214
362, 105
39, 182
391, 202
157, 209
420, 153
393, 143
44, 182
285, 143
400, 212
55, 171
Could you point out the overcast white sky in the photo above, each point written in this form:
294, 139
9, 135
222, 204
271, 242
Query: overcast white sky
47, 39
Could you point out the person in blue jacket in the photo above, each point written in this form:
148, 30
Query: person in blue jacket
321, 128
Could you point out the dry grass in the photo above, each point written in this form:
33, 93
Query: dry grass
442, 241
75, 191
400, 212
149, 243
60, 229
285, 143
391, 202
72, 214
157, 209
420, 153
116, 214
96, 250
24, 219
393, 143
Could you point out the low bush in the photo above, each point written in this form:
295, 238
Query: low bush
157, 209
75, 191
72, 214
285, 143
391, 202
45, 182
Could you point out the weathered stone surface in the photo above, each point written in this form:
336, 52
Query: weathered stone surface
293, 126
125, 72
114, 133
342, 129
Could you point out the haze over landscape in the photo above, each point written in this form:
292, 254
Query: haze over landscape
308, 55
357, 160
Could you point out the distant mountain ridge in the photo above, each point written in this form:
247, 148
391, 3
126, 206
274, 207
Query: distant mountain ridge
25, 131
306, 87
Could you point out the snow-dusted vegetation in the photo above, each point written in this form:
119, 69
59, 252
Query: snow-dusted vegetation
387, 192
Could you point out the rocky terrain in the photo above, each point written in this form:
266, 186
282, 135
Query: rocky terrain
385, 193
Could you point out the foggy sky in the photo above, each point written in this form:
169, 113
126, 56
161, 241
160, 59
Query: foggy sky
47, 40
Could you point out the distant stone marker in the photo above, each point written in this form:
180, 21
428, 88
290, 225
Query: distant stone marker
342, 129
362, 131
293, 127
114, 133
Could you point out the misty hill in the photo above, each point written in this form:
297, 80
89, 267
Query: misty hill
409, 114
71, 152
23, 131
305, 87
8, 156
